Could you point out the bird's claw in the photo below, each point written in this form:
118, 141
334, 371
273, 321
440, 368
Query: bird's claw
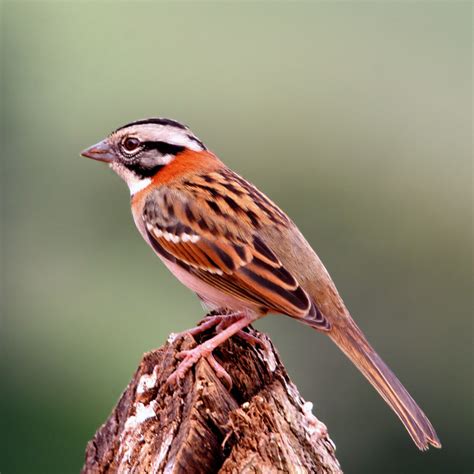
227, 325
251, 339
190, 357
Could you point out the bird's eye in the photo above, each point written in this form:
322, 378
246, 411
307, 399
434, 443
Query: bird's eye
131, 144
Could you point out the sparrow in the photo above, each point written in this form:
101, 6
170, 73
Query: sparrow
237, 250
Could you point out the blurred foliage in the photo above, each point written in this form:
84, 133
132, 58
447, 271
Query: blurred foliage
354, 117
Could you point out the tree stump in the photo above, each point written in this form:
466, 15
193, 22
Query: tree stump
261, 425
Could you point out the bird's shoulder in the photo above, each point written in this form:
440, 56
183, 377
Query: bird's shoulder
215, 203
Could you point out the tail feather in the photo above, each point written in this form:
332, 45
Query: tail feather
354, 344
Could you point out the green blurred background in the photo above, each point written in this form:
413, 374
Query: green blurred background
354, 117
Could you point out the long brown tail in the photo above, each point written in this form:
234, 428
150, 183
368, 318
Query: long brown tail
354, 344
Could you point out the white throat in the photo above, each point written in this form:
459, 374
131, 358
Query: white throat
134, 183
137, 185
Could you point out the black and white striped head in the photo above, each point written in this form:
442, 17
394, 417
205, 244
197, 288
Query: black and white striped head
138, 150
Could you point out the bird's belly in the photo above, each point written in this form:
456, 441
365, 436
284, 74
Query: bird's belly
213, 297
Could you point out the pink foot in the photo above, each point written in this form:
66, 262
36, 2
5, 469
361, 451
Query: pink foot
190, 357
220, 371
227, 320
207, 323
220, 321
251, 339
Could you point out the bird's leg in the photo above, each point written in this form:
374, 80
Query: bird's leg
190, 357
231, 317
207, 323
210, 321
220, 321
227, 321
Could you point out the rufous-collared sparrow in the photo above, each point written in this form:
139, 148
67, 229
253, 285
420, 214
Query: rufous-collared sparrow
232, 246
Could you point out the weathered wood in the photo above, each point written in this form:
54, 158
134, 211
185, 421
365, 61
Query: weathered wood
262, 425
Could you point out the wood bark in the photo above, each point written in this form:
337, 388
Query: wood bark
262, 425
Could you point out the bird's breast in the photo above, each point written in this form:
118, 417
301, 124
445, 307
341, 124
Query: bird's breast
213, 297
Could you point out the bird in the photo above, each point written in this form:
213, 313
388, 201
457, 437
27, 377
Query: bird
238, 251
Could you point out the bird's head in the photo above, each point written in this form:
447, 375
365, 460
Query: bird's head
139, 150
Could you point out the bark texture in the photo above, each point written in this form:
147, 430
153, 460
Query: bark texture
262, 425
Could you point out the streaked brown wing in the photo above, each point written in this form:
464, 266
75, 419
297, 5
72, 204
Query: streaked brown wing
211, 235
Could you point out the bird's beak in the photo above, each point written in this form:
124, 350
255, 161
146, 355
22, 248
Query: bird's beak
101, 151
